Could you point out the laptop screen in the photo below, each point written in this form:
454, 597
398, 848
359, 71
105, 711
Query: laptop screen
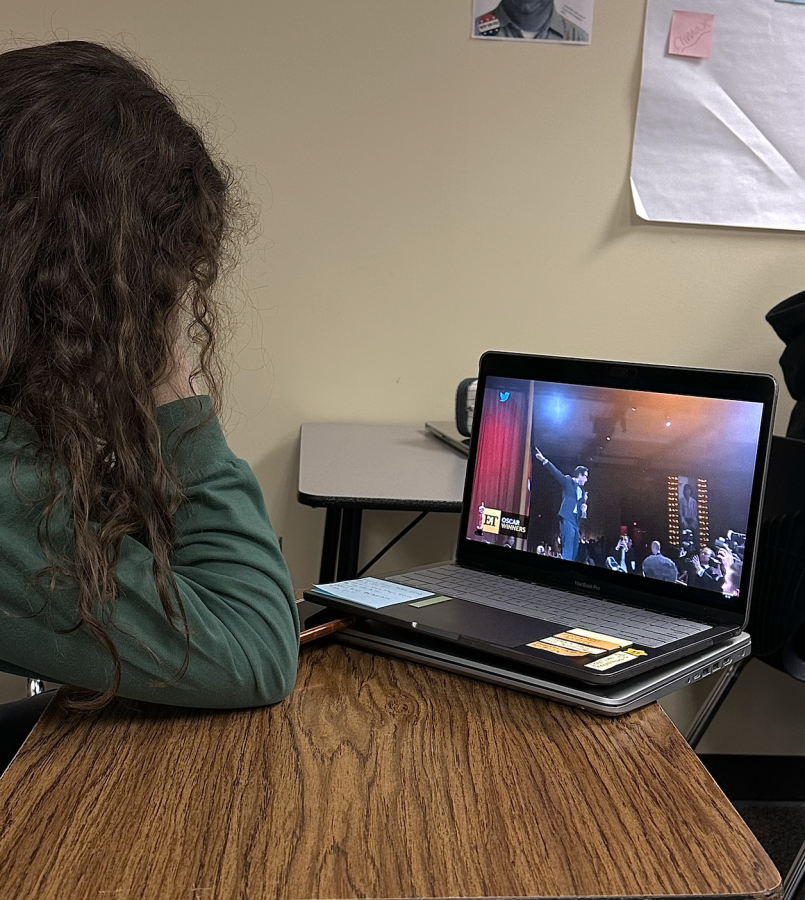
636, 483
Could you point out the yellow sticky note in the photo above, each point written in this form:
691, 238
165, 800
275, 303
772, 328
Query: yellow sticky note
594, 639
559, 651
558, 641
609, 662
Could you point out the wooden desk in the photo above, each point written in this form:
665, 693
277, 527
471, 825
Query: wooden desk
350, 468
376, 778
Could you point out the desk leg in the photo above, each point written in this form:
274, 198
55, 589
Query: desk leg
712, 704
795, 874
350, 544
329, 550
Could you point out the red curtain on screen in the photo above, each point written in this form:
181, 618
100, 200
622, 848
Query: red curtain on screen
502, 463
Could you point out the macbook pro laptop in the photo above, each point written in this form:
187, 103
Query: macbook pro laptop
609, 520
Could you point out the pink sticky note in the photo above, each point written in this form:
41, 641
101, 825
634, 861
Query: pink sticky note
691, 34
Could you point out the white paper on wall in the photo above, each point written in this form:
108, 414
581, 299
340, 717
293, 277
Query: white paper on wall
721, 140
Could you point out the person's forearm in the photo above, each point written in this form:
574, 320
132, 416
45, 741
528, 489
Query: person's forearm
232, 580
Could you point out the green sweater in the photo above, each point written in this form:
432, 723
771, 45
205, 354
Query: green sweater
237, 594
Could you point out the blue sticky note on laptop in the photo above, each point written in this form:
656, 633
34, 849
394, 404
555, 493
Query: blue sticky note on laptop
373, 592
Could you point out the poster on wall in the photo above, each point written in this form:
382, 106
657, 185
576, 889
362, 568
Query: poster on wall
567, 21
720, 133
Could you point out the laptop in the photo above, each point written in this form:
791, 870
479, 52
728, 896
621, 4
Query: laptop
609, 520
450, 435
608, 700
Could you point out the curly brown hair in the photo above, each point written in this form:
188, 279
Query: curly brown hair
114, 224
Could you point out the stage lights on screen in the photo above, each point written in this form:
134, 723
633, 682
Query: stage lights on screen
702, 538
673, 509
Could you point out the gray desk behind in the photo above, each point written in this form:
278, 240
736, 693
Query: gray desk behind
349, 468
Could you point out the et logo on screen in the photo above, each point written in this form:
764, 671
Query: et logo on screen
495, 521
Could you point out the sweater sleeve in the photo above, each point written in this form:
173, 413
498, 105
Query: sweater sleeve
232, 579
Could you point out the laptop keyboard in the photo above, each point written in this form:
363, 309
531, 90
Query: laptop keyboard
641, 626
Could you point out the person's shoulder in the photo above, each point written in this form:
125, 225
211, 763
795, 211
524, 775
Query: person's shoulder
565, 30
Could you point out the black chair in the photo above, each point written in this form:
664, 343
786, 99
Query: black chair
777, 613
18, 718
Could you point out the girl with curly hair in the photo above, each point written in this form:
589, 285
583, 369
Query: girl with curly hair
136, 556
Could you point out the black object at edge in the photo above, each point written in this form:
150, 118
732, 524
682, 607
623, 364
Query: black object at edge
758, 778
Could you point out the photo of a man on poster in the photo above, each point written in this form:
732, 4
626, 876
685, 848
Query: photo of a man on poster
533, 20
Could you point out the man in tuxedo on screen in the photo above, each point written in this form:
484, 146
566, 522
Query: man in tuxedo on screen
574, 504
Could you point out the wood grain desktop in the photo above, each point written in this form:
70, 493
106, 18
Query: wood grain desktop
376, 778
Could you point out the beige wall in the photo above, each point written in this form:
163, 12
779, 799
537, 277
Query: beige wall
426, 197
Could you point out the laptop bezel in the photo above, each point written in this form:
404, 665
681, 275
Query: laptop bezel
670, 598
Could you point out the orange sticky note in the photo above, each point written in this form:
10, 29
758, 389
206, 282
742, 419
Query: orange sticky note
691, 34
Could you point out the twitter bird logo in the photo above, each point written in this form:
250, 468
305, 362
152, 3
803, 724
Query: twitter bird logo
504, 396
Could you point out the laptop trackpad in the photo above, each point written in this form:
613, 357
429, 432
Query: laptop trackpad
454, 618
